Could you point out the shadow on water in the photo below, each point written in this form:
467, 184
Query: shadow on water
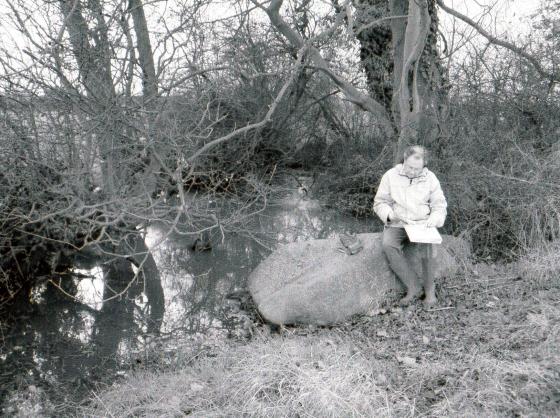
66, 347
63, 346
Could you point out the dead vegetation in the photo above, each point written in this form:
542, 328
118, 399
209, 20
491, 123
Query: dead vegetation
488, 349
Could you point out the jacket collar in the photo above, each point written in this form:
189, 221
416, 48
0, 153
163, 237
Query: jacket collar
400, 170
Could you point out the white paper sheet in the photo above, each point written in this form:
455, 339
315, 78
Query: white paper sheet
421, 233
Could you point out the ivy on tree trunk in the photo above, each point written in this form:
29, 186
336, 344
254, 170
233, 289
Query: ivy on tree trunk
382, 54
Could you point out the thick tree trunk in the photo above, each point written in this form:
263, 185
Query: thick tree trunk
147, 177
418, 74
93, 61
375, 49
92, 52
94, 67
432, 86
408, 98
382, 53
145, 53
352, 94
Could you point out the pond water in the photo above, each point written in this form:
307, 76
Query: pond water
62, 350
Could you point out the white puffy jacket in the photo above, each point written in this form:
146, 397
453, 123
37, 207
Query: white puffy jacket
416, 199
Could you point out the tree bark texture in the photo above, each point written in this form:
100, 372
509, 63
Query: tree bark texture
91, 51
145, 53
415, 100
375, 49
352, 94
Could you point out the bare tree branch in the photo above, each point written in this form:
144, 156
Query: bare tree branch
494, 40
378, 22
267, 118
364, 101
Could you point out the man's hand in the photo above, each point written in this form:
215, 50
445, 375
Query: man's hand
394, 218
430, 223
391, 217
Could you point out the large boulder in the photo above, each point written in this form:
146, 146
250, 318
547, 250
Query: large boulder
310, 282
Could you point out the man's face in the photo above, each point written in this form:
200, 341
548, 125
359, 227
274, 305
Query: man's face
415, 160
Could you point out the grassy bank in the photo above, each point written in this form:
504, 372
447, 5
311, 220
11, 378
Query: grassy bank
489, 349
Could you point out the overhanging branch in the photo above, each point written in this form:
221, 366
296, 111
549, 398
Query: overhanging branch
264, 121
362, 100
494, 40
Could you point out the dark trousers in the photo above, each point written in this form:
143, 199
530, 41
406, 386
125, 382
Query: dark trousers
394, 239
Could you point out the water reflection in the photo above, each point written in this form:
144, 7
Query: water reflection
180, 295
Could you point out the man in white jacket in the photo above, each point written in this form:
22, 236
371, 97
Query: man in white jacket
410, 193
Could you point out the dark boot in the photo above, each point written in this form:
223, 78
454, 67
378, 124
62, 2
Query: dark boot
428, 270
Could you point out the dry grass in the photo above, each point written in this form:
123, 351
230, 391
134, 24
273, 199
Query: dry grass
542, 264
492, 352
322, 375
